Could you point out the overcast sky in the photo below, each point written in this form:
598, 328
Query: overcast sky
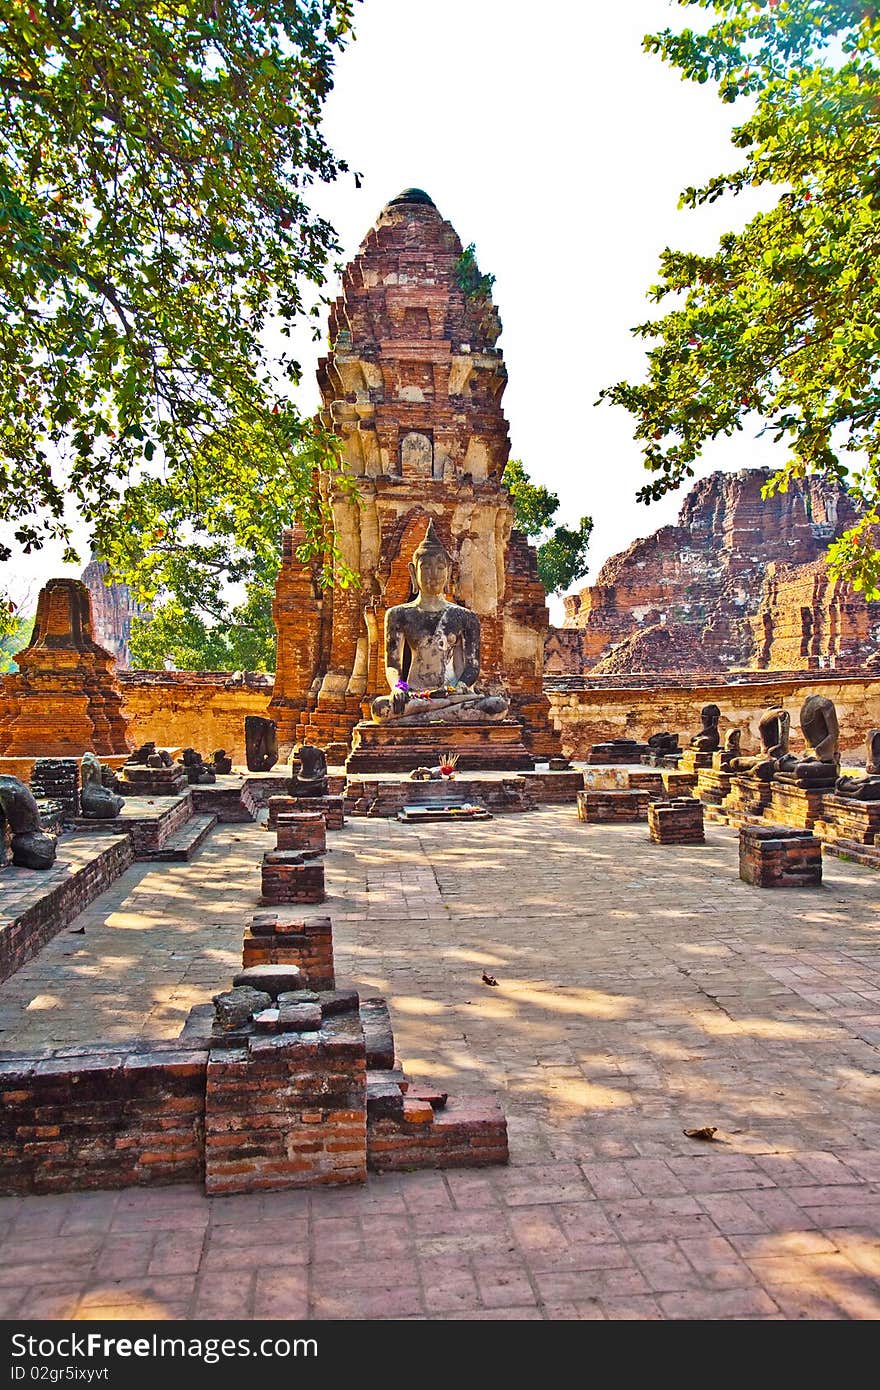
555, 144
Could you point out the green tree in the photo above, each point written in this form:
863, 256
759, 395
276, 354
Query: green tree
562, 552
155, 160
782, 319
13, 640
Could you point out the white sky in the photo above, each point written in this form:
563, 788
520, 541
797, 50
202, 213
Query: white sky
556, 145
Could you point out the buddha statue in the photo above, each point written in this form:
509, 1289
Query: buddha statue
708, 739
98, 801
865, 788
442, 642
820, 768
773, 730
308, 770
32, 848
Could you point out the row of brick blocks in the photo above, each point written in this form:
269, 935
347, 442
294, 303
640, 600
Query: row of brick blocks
672, 821
293, 872
770, 856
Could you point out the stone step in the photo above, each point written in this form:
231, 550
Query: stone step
182, 845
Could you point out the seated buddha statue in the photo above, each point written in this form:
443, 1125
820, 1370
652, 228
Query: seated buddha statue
865, 788
821, 733
442, 642
773, 730
708, 739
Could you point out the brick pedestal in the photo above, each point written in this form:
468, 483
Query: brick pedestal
845, 818
288, 1109
747, 799
305, 830
712, 786
676, 822
614, 808
57, 779
692, 761
332, 808
289, 877
279, 938
796, 806
777, 856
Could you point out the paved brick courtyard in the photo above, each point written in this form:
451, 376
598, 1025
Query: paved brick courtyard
641, 991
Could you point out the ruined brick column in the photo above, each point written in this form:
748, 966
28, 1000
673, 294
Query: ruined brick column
69, 699
413, 385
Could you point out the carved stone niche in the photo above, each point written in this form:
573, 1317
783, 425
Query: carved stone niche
416, 455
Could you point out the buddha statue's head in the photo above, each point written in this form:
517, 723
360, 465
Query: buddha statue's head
431, 565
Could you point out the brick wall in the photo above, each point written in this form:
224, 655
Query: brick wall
596, 712
92, 1117
35, 907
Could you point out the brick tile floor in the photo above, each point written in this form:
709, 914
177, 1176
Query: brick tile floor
642, 990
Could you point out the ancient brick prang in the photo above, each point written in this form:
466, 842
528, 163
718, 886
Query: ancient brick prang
66, 699
740, 582
113, 607
413, 385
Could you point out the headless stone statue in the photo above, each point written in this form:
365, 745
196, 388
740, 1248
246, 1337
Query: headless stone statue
309, 771
664, 742
98, 801
197, 772
261, 743
442, 641
708, 739
821, 733
221, 763
774, 728
32, 848
865, 788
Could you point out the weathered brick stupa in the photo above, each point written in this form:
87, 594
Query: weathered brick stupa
113, 608
65, 701
413, 386
739, 583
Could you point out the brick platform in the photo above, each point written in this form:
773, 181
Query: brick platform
615, 808
36, 905
676, 822
777, 856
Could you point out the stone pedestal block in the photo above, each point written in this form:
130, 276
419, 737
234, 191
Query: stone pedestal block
57, 779
747, 799
777, 856
676, 822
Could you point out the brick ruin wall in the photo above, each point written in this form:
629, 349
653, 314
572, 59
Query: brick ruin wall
739, 582
596, 710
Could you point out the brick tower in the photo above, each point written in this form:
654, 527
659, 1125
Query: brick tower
413, 385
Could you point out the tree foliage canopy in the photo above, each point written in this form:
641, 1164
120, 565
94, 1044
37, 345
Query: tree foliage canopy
783, 319
562, 552
155, 160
